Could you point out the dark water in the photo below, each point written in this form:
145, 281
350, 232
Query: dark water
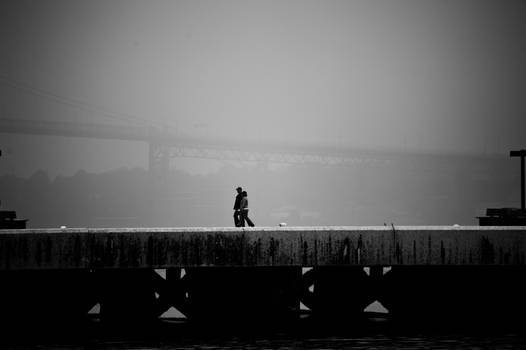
376, 342
179, 334
379, 341
371, 342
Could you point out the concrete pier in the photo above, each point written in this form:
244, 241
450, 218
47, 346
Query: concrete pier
234, 277
275, 246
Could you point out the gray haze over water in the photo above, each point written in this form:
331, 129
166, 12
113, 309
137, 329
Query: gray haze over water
431, 77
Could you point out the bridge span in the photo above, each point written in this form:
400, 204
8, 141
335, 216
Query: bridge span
166, 143
237, 277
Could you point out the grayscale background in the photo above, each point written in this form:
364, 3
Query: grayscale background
431, 94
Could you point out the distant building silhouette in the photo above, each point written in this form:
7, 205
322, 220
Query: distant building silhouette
8, 218
508, 216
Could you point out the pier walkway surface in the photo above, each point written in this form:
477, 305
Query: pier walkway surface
74, 248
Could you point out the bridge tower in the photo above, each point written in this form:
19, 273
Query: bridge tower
158, 160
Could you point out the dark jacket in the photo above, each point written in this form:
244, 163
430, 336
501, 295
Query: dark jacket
237, 203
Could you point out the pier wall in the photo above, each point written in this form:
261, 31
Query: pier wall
294, 246
262, 277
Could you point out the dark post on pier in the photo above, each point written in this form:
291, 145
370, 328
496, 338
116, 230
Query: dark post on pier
522, 154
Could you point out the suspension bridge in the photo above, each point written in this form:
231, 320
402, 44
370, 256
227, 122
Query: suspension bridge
163, 140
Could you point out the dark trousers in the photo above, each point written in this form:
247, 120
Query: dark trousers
237, 221
244, 217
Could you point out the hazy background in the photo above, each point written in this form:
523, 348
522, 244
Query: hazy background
442, 82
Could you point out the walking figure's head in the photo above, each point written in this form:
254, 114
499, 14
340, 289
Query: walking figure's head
239, 189
245, 193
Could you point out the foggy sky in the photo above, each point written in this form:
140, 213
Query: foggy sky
429, 76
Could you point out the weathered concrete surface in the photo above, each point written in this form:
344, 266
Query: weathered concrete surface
282, 246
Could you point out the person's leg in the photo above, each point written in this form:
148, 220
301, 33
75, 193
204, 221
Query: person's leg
236, 218
243, 216
249, 222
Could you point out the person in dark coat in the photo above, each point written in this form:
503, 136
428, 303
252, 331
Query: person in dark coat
237, 206
244, 211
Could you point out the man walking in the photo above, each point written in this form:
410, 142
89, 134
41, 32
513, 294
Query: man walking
237, 206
